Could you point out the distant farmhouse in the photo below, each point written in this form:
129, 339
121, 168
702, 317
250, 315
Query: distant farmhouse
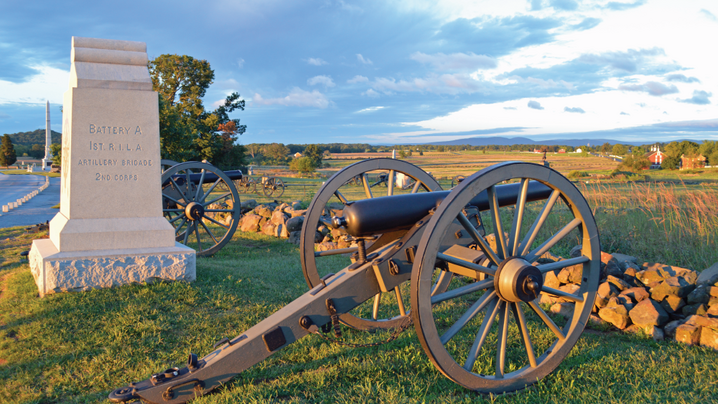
690, 163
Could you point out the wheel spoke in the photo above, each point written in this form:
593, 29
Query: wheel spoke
518, 218
553, 240
400, 301
177, 229
499, 235
483, 332
187, 231
521, 321
468, 315
544, 268
196, 232
341, 197
415, 189
480, 240
199, 186
466, 264
216, 199
211, 188
219, 210
178, 217
177, 187
536, 226
209, 232
173, 210
367, 188
561, 293
375, 308
216, 222
461, 291
390, 183
502, 339
173, 200
547, 320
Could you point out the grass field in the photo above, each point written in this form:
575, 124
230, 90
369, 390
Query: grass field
77, 347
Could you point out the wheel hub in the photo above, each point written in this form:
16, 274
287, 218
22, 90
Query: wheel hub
194, 211
518, 281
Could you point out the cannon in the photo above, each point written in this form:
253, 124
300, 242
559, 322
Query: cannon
466, 278
202, 203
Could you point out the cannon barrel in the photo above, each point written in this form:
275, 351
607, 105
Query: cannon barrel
208, 177
388, 213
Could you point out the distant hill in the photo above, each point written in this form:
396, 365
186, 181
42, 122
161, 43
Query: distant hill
34, 137
509, 141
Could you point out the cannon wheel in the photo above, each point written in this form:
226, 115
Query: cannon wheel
457, 180
455, 327
332, 194
166, 164
246, 185
188, 207
273, 187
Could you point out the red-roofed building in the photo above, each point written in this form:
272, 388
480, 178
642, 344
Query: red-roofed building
690, 163
656, 157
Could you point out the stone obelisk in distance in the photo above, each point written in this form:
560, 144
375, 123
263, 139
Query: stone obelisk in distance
48, 140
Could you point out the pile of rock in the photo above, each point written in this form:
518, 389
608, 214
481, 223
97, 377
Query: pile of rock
283, 220
662, 300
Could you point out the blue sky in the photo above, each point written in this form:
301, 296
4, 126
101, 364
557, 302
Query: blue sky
399, 71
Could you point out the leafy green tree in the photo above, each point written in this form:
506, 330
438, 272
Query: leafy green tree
276, 153
187, 131
315, 155
56, 150
634, 163
7, 152
302, 164
605, 148
619, 149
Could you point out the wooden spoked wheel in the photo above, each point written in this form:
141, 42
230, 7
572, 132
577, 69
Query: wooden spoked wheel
272, 187
166, 164
492, 335
386, 310
202, 204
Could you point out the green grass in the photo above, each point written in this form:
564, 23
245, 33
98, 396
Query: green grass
77, 347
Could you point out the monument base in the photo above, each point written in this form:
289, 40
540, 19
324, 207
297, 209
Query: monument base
75, 271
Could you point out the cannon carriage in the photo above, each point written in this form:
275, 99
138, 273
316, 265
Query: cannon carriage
467, 267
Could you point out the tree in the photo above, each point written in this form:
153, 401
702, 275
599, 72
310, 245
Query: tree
56, 150
187, 131
276, 153
7, 152
635, 163
605, 148
619, 149
313, 152
302, 164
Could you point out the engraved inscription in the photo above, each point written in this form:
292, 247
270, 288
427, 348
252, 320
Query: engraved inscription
115, 177
115, 146
115, 130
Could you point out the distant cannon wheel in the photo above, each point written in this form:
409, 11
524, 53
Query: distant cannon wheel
506, 283
273, 187
457, 180
246, 185
386, 310
202, 204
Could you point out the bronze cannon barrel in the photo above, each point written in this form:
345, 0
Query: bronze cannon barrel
388, 213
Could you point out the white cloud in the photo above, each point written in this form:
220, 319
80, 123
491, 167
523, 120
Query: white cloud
296, 98
370, 93
439, 84
358, 79
48, 84
455, 61
326, 81
363, 60
316, 61
240, 63
370, 109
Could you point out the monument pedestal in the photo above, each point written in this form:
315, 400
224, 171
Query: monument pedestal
110, 229
76, 271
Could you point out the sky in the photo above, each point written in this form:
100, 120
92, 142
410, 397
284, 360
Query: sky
399, 72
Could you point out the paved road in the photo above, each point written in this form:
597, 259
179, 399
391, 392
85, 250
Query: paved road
38, 209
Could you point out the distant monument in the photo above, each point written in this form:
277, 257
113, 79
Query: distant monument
110, 229
48, 140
